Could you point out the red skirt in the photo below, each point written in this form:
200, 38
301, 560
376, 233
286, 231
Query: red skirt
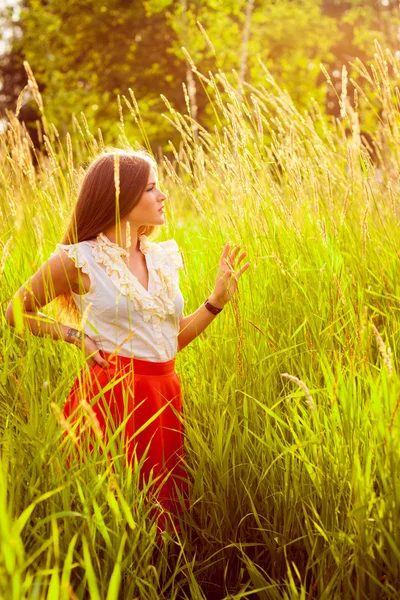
147, 395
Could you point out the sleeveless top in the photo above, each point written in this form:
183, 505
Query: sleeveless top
118, 313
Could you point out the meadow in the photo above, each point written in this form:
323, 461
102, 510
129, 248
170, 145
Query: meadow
291, 396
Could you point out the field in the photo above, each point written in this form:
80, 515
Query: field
291, 396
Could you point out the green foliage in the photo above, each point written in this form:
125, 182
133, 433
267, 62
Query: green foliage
86, 53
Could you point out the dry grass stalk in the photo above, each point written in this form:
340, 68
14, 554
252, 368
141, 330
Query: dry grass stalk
329, 177
355, 96
364, 225
39, 130
33, 86
395, 410
128, 241
392, 201
70, 157
5, 255
345, 206
84, 317
300, 383
116, 175
322, 226
63, 422
334, 227
134, 102
128, 236
364, 228
343, 97
355, 128
85, 124
364, 321
204, 34
117, 192
101, 141
385, 351
315, 194
23, 402
183, 261
186, 97
393, 60
279, 263
92, 418
76, 125
50, 152
71, 593
118, 348
121, 114
113, 477
339, 289
19, 100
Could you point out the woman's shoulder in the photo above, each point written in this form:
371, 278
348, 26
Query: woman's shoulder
78, 252
78, 244
170, 249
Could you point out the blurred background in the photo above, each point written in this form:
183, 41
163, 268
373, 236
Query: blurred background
86, 53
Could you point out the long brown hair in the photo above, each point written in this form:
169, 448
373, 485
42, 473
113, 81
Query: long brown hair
96, 208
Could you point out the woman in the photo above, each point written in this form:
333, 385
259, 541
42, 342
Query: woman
125, 288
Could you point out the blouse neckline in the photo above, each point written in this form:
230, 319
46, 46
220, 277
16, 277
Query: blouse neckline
118, 252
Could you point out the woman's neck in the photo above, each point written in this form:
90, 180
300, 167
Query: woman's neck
125, 236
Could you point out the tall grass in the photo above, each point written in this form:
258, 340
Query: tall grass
291, 396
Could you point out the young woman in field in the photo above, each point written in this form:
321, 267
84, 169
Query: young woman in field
126, 288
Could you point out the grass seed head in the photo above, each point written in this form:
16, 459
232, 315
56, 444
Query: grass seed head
386, 351
92, 417
343, 96
63, 422
300, 383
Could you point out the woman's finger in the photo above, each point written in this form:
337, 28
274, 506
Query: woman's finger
101, 361
225, 252
237, 259
242, 270
228, 271
234, 253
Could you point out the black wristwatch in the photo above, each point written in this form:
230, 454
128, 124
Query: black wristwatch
213, 309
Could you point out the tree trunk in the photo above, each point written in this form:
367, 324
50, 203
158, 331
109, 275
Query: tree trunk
190, 81
245, 40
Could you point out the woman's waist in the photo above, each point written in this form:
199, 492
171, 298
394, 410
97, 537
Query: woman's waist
154, 350
138, 365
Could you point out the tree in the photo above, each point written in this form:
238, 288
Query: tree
84, 53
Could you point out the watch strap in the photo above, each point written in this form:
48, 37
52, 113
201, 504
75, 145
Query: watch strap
213, 309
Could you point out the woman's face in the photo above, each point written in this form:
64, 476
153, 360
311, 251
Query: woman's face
149, 209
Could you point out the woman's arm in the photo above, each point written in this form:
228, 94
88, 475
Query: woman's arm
55, 277
193, 325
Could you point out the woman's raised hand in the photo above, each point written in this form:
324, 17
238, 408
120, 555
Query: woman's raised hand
227, 277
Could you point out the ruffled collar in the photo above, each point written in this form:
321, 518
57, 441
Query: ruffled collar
159, 299
144, 244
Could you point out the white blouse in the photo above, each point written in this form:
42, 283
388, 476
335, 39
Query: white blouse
119, 314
